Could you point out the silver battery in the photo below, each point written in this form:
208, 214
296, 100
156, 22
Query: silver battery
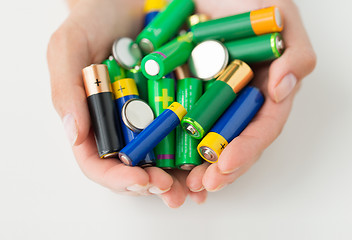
137, 115
126, 52
208, 59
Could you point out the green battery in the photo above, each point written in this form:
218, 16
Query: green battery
257, 22
141, 81
116, 72
173, 54
217, 99
256, 49
165, 25
161, 94
189, 90
208, 84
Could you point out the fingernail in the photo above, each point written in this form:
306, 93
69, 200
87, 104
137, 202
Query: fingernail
231, 171
197, 190
138, 188
285, 87
70, 127
221, 186
157, 191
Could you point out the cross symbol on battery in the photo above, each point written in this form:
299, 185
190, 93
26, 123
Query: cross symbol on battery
222, 146
164, 98
97, 82
120, 89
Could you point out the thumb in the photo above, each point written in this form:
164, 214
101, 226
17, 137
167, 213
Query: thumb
67, 55
298, 59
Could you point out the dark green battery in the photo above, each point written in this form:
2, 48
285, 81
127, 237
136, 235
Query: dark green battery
141, 81
189, 90
165, 59
216, 99
161, 94
256, 49
165, 25
208, 84
116, 72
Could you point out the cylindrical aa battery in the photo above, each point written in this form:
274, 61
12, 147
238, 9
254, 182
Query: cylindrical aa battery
102, 110
125, 91
141, 81
256, 49
216, 99
231, 124
161, 94
152, 8
207, 84
243, 25
189, 90
173, 54
136, 150
165, 25
116, 72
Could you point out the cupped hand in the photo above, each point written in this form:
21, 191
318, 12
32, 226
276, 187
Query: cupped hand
86, 37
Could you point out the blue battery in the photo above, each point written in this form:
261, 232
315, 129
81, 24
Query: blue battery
126, 97
166, 122
149, 17
231, 124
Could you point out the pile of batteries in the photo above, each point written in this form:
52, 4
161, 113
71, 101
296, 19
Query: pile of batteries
138, 84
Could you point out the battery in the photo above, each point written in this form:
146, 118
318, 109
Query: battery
257, 22
141, 81
216, 99
257, 49
135, 115
161, 94
231, 124
208, 59
189, 90
173, 54
152, 8
116, 72
126, 52
165, 25
207, 84
165, 123
102, 110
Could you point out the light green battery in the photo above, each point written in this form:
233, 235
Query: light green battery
165, 25
163, 61
256, 49
116, 72
161, 94
189, 90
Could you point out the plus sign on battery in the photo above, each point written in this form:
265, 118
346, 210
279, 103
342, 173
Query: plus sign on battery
165, 99
97, 82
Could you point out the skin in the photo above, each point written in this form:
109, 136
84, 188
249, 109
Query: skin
86, 37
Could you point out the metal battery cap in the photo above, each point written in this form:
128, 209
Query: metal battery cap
208, 154
187, 167
146, 45
125, 159
136, 114
208, 59
126, 52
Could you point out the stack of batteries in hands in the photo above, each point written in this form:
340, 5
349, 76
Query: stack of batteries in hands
154, 85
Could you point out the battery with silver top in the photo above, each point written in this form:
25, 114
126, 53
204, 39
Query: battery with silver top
165, 25
165, 123
208, 59
126, 52
152, 9
231, 124
256, 49
161, 94
216, 99
141, 81
102, 110
165, 59
189, 90
257, 22
135, 114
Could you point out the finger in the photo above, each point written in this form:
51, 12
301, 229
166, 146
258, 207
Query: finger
110, 173
199, 197
194, 178
297, 61
160, 181
259, 134
178, 192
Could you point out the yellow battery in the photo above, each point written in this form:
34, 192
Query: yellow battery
212, 143
154, 5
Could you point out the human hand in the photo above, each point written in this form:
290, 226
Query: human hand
278, 81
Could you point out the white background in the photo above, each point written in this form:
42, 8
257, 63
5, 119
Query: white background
300, 188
